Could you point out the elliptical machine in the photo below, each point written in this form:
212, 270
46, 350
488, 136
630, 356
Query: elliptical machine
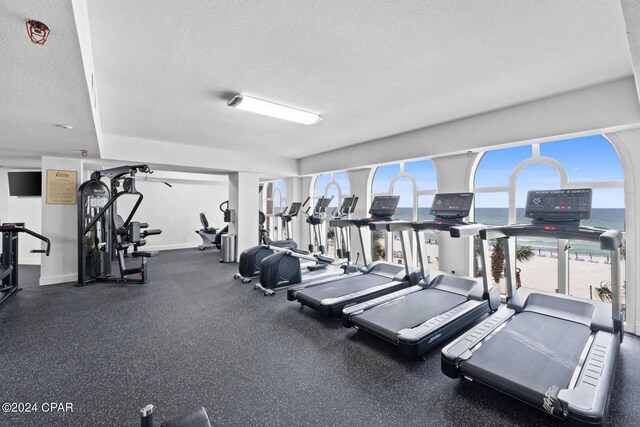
250, 259
285, 268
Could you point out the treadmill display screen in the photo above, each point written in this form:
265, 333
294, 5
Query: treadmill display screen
322, 204
348, 205
451, 205
559, 205
384, 206
295, 208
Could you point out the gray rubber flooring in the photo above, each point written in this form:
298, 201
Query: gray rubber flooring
194, 336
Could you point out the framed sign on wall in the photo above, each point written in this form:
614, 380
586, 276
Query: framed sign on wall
62, 187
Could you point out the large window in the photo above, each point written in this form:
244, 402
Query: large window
335, 186
502, 180
416, 184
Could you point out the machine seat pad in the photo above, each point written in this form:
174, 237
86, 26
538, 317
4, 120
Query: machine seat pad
145, 254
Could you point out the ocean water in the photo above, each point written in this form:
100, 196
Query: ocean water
605, 218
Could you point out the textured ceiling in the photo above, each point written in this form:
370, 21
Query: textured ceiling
42, 86
165, 69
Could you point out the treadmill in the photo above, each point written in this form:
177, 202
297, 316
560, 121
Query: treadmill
375, 279
419, 318
555, 352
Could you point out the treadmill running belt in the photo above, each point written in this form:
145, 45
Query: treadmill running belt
416, 308
342, 286
531, 356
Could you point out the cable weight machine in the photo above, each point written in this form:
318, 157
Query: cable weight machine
102, 236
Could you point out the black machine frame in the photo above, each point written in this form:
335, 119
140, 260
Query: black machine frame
9, 276
99, 239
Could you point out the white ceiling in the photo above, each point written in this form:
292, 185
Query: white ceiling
41, 86
165, 69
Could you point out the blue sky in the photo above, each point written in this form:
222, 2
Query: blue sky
590, 158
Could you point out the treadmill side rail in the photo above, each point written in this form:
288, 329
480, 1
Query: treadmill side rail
415, 342
292, 291
587, 402
352, 310
359, 294
436, 322
461, 349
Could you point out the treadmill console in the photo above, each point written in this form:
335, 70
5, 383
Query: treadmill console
559, 205
384, 207
348, 205
294, 209
451, 205
322, 204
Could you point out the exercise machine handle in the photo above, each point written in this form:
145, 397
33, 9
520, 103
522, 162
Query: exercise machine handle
41, 237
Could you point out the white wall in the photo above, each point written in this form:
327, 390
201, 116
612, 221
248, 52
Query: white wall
60, 225
29, 211
598, 109
176, 210
628, 146
243, 199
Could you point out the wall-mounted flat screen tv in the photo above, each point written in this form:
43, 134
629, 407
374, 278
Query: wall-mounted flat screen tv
25, 183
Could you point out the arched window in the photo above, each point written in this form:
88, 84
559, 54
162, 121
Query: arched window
336, 185
332, 184
504, 176
416, 184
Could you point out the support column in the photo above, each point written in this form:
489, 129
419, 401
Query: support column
60, 225
360, 184
244, 200
628, 145
454, 176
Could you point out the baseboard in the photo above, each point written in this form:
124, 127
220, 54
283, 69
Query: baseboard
29, 260
169, 247
60, 278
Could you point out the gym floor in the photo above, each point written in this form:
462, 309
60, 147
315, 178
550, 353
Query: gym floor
195, 336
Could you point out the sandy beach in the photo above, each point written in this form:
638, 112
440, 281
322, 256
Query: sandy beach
540, 272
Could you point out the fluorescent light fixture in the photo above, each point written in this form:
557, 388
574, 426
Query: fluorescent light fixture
266, 108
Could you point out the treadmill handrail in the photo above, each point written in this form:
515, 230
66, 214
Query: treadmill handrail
608, 239
466, 230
